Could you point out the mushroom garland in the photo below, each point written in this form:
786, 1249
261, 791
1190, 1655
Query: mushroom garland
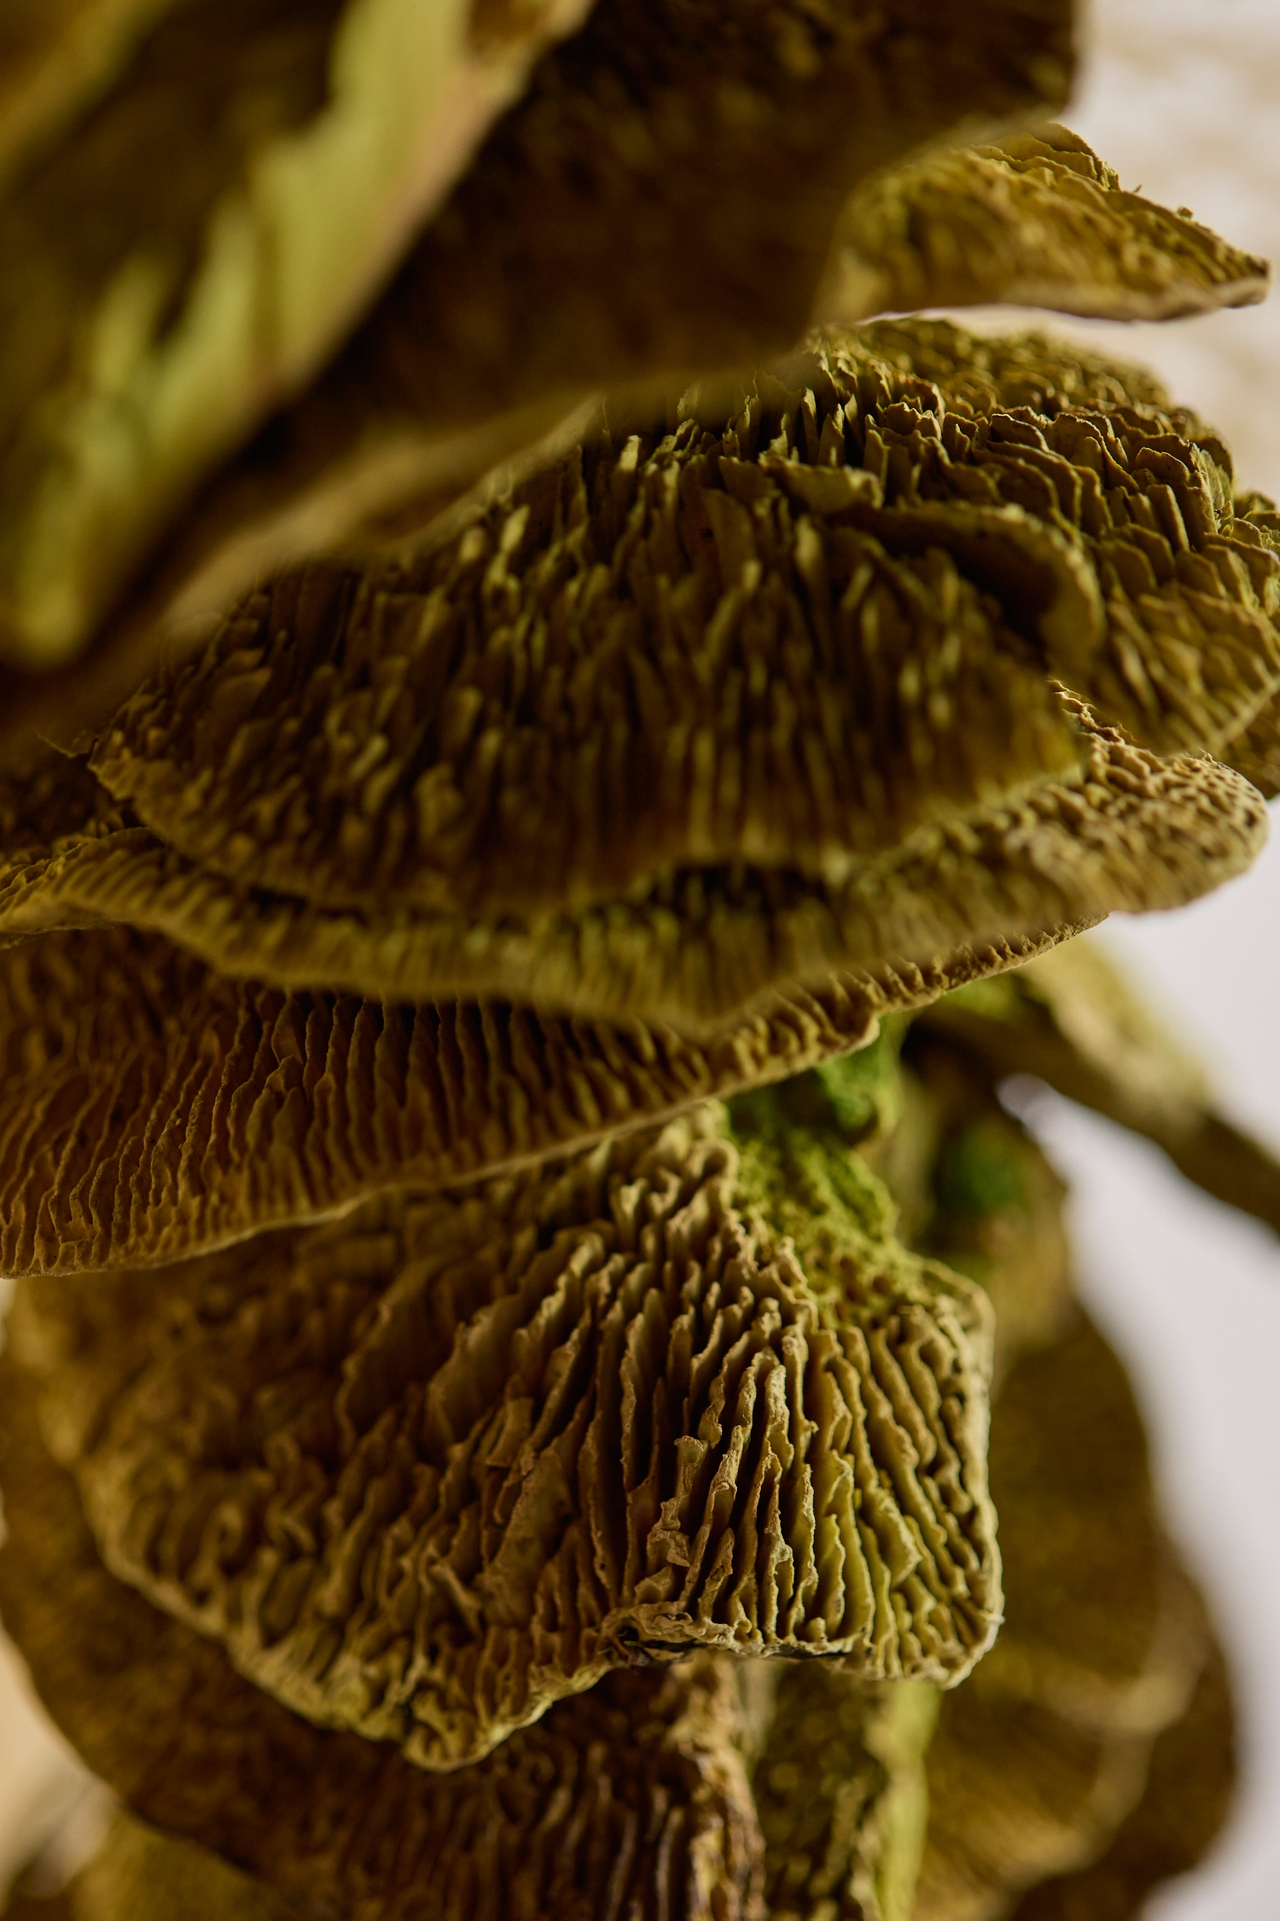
559, 796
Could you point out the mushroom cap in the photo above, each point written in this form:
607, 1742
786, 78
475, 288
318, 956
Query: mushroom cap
690, 714
150, 1109
699, 134
699, 947
1035, 220
1184, 1806
193, 250
639, 1784
1044, 1752
427, 1470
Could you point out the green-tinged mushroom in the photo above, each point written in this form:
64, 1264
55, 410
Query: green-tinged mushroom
842, 1797
1078, 1024
1035, 220
665, 133
427, 1470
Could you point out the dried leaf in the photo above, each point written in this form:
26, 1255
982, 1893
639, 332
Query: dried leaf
1077, 1024
194, 249
1039, 1758
637, 1788
1035, 221
427, 1470
150, 1109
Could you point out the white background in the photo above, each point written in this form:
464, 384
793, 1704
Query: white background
1183, 97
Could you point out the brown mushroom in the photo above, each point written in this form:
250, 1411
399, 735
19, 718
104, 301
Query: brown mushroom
637, 1788
150, 1109
1035, 220
428, 1469
1041, 1756
696, 947
698, 134
1184, 1806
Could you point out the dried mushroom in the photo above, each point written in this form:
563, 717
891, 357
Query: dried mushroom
1041, 1756
1037, 220
1183, 1808
150, 1109
977, 1193
634, 1792
1077, 1024
841, 1794
701, 947
194, 248
664, 132
688, 715
429, 1469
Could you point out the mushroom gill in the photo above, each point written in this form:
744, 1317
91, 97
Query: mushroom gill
426, 1470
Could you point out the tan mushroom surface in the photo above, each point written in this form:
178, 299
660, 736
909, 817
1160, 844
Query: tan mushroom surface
1034, 220
689, 715
427, 1470
1079, 1025
636, 1790
698, 133
150, 1109
841, 1794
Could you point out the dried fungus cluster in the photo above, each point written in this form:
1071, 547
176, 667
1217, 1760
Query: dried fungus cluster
549, 772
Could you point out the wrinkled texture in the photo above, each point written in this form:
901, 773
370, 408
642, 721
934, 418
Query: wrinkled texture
666, 131
976, 1192
150, 1109
638, 1787
707, 946
1078, 1024
840, 1789
1039, 1758
1035, 221
426, 1471
194, 248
